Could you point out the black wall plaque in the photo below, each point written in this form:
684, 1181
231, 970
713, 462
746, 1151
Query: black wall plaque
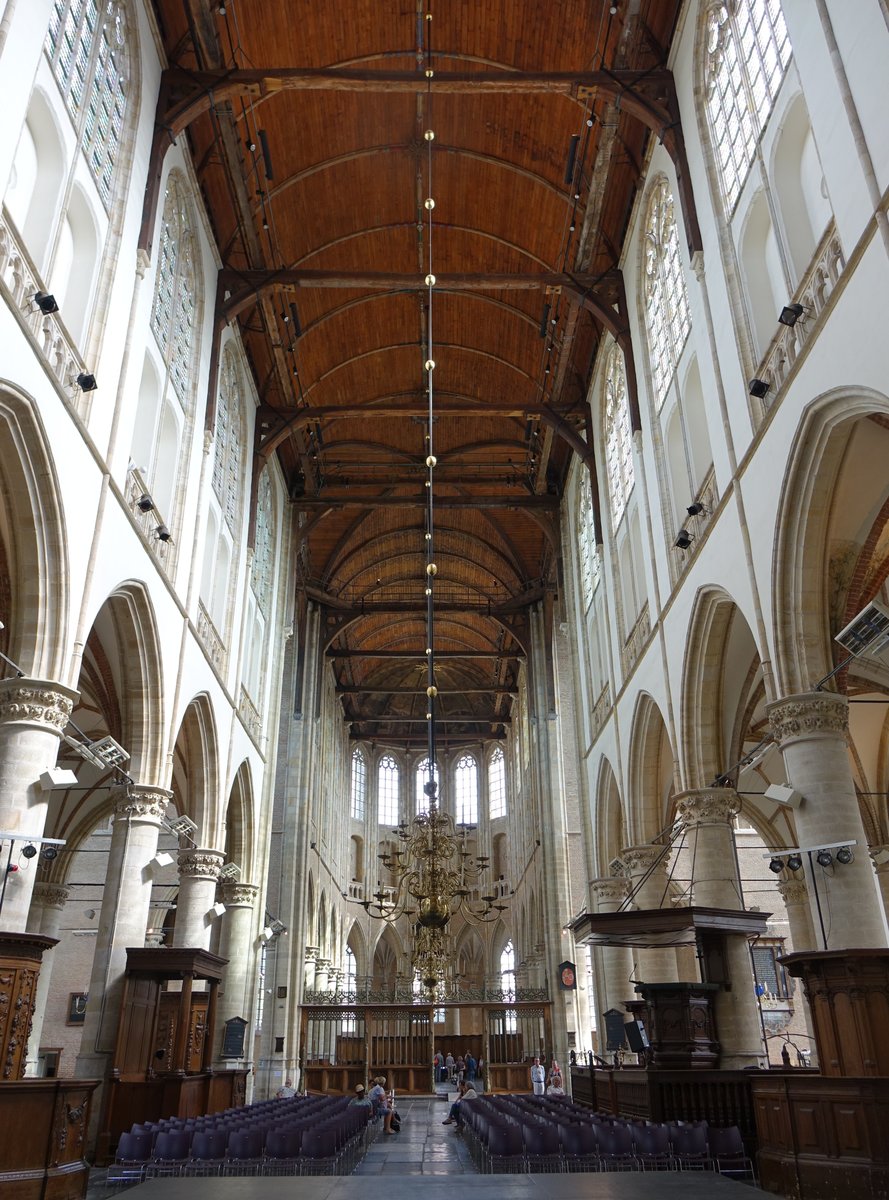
233, 1038
615, 1038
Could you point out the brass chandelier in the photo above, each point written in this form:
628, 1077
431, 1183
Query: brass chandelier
433, 873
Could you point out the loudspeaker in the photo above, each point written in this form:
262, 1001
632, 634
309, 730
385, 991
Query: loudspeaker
636, 1036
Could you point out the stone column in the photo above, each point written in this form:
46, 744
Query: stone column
322, 969
48, 902
812, 731
126, 899
647, 870
237, 943
309, 970
802, 937
613, 987
880, 857
198, 874
708, 816
33, 713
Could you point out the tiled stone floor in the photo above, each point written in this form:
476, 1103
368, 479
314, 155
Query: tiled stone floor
424, 1146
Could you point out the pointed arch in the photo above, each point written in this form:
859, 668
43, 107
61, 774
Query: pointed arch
195, 783
239, 824
611, 823
651, 771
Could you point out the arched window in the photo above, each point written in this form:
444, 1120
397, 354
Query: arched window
507, 985
747, 55
87, 47
229, 441
590, 560
466, 791
173, 311
387, 791
497, 784
618, 439
359, 785
666, 298
350, 987
261, 578
422, 778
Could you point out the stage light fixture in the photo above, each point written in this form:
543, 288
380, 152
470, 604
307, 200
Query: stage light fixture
29, 851
824, 858
145, 503
758, 388
86, 382
683, 540
794, 862
695, 508
790, 314
46, 302
163, 534
776, 865
844, 855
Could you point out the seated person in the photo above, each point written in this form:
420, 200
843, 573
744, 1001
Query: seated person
361, 1098
467, 1092
388, 1114
378, 1096
555, 1086
285, 1092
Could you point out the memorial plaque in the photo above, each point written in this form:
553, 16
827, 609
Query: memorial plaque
233, 1038
615, 1037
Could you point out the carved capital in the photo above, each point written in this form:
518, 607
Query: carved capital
141, 803
200, 864
609, 890
810, 715
708, 806
793, 891
238, 895
36, 702
311, 953
49, 895
880, 858
639, 859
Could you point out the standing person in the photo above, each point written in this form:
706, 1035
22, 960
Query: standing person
437, 1064
449, 1067
538, 1078
459, 1070
471, 1066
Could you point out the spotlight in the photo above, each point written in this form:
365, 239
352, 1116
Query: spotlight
758, 388
86, 382
777, 865
163, 534
844, 855
790, 314
46, 303
29, 851
695, 508
683, 540
794, 862
218, 910
50, 853
824, 858
145, 503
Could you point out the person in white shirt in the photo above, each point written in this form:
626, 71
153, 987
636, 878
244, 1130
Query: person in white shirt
538, 1078
285, 1092
555, 1086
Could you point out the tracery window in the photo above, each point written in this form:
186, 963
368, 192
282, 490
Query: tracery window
387, 791
590, 559
466, 791
618, 438
422, 779
359, 785
666, 297
173, 311
747, 55
87, 47
261, 577
350, 987
229, 440
507, 984
497, 784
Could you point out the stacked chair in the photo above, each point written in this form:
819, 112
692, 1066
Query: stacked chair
544, 1133
306, 1135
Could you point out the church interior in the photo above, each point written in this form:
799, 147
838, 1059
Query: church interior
443, 577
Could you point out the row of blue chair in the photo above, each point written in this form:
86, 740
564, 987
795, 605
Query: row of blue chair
524, 1134
324, 1137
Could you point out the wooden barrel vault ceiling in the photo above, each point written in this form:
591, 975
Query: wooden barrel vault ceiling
306, 123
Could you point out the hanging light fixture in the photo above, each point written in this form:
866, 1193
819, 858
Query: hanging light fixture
433, 873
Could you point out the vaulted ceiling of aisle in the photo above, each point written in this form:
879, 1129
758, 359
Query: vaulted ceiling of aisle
314, 173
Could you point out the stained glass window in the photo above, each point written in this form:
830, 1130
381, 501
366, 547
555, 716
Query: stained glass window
590, 560
747, 55
261, 577
497, 784
387, 791
666, 297
173, 311
87, 46
618, 439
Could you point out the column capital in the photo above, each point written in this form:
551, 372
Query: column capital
141, 802
708, 806
880, 858
238, 895
637, 859
49, 895
793, 891
36, 703
809, 715
311, 953
609, 890
199, 863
